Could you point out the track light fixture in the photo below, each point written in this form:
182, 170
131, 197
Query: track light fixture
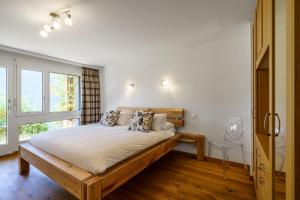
55, 21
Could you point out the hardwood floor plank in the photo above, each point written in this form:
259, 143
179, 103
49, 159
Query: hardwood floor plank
174, 177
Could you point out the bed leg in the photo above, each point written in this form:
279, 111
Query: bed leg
94, 190
23, 166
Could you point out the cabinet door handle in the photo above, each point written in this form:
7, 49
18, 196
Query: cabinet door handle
9, 109
265, 120
277, 131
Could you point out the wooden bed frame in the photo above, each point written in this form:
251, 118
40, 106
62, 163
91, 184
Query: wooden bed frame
87, 186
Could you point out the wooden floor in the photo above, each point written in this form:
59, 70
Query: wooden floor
175, 176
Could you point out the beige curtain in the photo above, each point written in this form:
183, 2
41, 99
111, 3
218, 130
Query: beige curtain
90, 106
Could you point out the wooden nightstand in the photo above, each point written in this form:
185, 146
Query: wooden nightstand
194, 138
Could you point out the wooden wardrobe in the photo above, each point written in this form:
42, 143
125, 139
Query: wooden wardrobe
264, 115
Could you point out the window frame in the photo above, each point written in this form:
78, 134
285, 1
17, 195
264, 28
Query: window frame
46, 67
14, 62
19, 91
46, 91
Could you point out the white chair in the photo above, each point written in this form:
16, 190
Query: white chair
233, 138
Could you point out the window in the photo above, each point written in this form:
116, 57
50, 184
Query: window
63, 97
28, 130
64, 92
31, 91
3, 117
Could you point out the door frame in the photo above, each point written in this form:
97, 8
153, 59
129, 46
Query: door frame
9, 64
293, 100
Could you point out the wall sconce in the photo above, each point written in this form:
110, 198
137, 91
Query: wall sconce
130, 85
164, 83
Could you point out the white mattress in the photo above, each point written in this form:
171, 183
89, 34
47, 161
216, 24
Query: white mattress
95, 148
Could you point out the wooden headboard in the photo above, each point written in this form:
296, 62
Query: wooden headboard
174, 115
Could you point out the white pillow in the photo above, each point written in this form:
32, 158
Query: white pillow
167, 126
124, 118
158, 121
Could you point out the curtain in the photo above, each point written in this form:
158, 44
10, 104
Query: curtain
90, 106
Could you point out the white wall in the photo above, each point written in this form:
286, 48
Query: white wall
210, 80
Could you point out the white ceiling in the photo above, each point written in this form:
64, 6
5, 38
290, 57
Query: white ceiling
108, 31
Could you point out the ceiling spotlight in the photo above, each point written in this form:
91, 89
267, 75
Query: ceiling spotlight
56, 24
44, 33
47, 28
68, 19
55, 20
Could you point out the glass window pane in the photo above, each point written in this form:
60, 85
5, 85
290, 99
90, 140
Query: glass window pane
28, 130
3, 114
64, 92
31, 91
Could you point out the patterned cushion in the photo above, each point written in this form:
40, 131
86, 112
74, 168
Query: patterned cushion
110, 118
141, 121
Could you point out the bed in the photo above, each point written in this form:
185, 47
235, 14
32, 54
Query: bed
91, 173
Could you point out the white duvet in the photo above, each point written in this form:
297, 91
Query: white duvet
95, 148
